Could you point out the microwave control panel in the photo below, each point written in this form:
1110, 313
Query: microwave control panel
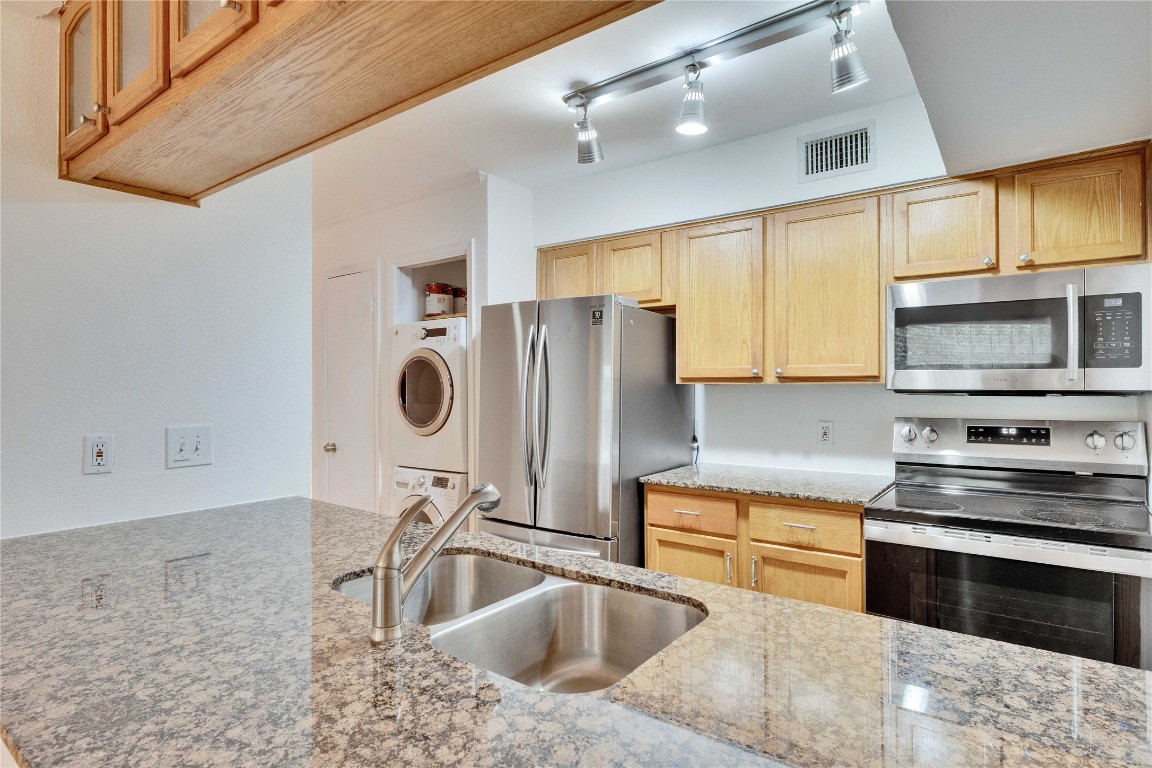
1112, 331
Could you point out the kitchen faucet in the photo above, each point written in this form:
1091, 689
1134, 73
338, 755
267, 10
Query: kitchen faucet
391, 583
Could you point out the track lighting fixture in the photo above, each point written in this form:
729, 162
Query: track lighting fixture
587, 140
693, 119
847, 68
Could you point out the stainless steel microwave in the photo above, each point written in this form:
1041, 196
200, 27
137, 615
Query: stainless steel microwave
1082, 330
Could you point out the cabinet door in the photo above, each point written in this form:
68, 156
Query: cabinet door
944, 230
137, 61
708, 558
631, 266
815, 577
199, 28
566, 271
720, 301
1081, 212
827, 280
82, 35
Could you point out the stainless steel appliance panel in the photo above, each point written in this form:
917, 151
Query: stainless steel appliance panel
993, 305
578, 405
603, 549
507, 411
1123, 291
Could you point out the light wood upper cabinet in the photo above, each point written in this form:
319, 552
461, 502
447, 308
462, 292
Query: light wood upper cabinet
944, 230
815, 577
1080, 212
631, 266
137, 55
200, 28
569, 270
720, 301
826, 294
694, 555
82, 84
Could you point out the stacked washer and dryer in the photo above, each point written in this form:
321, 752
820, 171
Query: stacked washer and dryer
429, 429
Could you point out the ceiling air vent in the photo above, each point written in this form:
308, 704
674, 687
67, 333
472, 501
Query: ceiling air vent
841, 150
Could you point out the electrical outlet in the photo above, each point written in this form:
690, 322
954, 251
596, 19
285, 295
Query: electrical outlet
98, 454
95, 597
187, 446
824, 433
186, 577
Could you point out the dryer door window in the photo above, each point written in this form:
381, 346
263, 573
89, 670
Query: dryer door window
424, 392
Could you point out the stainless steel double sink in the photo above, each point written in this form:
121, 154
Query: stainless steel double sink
543, 631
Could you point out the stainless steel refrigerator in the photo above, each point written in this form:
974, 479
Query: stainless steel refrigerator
578, 399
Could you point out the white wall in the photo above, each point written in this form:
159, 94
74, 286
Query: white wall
752, 173
511, 249
124, 315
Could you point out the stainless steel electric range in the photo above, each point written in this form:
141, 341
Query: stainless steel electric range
1030, 532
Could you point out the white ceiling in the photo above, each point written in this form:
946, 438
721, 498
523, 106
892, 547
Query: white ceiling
1008, 82
513, 123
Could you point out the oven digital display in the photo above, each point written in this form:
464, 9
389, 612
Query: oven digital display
1004, 435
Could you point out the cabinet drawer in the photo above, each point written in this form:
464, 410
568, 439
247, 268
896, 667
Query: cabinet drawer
810, 528
692, 513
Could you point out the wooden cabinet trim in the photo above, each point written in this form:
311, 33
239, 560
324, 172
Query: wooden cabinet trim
72, 143
149, 83
188, 51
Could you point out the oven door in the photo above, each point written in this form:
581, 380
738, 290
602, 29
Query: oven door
1086, 613
1011, 333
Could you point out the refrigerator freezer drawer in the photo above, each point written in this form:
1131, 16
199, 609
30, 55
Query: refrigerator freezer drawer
603, 549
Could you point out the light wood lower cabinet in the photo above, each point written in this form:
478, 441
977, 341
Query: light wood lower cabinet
815, 577
694, 555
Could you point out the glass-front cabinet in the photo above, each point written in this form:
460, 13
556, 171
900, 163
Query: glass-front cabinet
200, 28
82, 117
137, 66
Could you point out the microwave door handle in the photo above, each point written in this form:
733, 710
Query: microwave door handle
1073, 332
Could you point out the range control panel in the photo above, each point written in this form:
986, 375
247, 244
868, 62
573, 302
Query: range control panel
1112, 331
1098, 447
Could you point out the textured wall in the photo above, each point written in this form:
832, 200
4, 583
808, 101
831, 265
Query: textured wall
124, 315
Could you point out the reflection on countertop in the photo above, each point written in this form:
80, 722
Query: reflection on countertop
215, 638
816, 485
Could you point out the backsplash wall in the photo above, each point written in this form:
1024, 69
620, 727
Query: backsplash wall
776, 425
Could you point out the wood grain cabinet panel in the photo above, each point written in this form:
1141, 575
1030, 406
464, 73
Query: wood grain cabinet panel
82, 82
1080, 212
567, 271
809, 528
699, 514
948, 229
815, 577
693, 555
137, 55
719, 313
631, 266
200, 28
827, 280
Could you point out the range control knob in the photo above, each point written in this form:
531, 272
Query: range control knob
1125, 441
1095, 440
908, 434
929, 434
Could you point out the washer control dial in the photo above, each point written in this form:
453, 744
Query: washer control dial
1095, 440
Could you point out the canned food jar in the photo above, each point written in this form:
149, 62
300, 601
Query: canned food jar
437, 299
460, 302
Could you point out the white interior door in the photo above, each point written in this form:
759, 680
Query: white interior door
350, 412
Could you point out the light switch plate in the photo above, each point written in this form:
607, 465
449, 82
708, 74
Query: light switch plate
187, 446
99, 452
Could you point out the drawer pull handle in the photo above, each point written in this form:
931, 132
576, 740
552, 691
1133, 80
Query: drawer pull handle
686, 512
728, 567
801, 525
753, 571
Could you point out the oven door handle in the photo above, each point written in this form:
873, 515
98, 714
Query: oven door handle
1129, 562
1073, 331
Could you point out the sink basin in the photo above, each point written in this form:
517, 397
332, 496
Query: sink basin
568, 637
454, 586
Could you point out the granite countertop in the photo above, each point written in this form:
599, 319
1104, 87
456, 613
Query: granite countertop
214, 638
839, 487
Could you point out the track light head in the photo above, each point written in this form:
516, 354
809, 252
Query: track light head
587, 140
693, 117
847, 67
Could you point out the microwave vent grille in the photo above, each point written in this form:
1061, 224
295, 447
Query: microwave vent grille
848, 149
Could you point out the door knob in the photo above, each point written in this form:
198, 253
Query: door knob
329, 447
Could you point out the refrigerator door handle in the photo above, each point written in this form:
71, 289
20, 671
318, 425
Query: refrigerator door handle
529, 409
543, 423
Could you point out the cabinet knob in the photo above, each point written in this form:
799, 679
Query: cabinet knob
755, 371
98, 107
230, 4
85, 120
989, 261
1025, 258
329, 447
779, 371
